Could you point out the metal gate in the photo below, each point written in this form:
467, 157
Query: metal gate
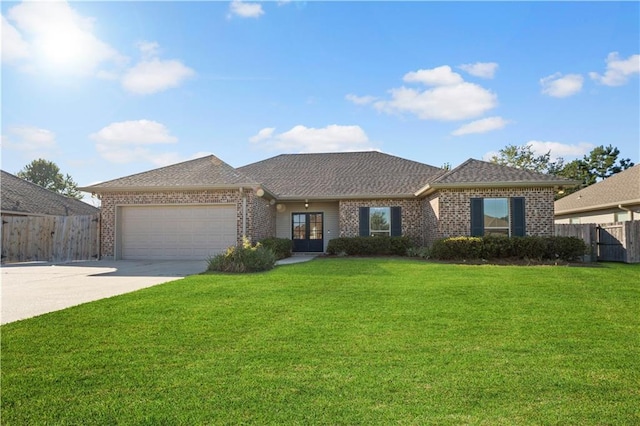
611, 243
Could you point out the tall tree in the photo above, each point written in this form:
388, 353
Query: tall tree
601, 163
523, 157
47, 175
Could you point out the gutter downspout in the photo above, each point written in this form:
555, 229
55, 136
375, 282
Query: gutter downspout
244, 213
621, 207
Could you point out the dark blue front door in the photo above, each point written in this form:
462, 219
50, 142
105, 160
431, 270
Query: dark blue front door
307, 231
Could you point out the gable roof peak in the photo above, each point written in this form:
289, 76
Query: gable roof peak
199, 173
484, 174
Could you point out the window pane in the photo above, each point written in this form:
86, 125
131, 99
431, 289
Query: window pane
504, 232
380, 220
315, 226
299, 228
496, 213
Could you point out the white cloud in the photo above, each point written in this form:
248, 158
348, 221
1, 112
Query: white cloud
138, 132
480, 69
332, 138
481, 126
618, 70
263, 134
58, 38
14, 48
29, 139
449, 98
560, 149
155, 75
360, 100
440, 76
245, 10
148, 49
129, 141
447, 103
560, 86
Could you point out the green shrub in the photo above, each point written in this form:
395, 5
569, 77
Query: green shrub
281, 247
498, 247
243, 258
421, 252
363, 246
530, 247
566, 248
457, 248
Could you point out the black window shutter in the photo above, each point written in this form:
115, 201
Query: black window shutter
518, 225
364, 221
396, 221
477, 217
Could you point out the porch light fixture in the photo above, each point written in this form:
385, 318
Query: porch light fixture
306, 204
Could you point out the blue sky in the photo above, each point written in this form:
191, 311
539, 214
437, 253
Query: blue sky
108, 89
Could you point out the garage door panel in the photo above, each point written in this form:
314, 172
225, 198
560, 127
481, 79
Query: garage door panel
176, 232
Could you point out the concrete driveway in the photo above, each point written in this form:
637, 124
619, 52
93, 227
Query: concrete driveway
31, 289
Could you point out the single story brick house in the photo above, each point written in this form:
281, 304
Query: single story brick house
196, 208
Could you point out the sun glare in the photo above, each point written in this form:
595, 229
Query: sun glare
64, 46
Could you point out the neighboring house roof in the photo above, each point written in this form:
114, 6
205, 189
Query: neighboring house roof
21, 197
202, 173
620, 189
482, 174
341, 175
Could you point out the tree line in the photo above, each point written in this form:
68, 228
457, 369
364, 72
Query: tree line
601, 163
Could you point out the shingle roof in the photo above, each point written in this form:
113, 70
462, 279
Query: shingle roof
341, 175
22, 197
478, 173
621, 188
201, 173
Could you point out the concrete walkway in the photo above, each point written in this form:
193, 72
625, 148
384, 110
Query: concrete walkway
296, 258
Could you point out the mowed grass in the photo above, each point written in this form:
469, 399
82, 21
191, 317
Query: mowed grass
339, 341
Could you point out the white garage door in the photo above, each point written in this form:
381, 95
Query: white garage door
176, 232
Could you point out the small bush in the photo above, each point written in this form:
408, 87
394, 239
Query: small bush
497, 247
421, 252
529, 247
567, 248
243, 258
363, 246
281, 247
457, 248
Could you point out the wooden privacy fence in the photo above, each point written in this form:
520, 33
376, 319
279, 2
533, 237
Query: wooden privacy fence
50, 238
615, 242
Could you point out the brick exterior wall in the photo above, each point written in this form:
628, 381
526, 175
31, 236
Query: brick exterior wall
349, 211
446, 213
262, 217
112, 200
454, 205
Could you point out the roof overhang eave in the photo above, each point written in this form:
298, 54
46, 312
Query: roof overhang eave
100, 190
329, 197
428, 189
612, 205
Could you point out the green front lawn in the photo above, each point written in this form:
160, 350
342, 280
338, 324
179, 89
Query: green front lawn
339, 341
